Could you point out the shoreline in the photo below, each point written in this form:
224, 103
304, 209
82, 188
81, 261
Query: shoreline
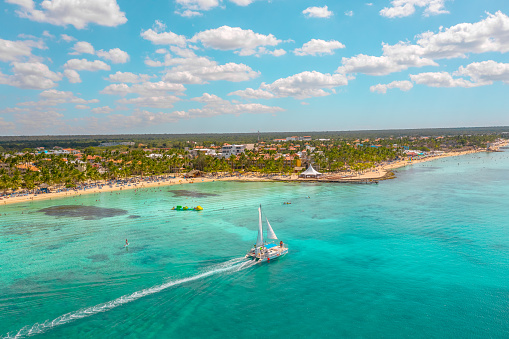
381, 172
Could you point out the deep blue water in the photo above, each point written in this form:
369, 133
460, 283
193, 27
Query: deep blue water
423, 256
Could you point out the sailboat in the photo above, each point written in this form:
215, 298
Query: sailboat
266, 251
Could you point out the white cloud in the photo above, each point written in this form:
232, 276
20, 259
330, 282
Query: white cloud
128, 77
72, 76
187, 74
349, 13
382, 65
232, 38
161, 51
188, 13
67, 38
72, 12
485, 72
48, 35
300, 86
6, 125
278, 52
402, 85
14, 50
82, 107
441, 79
317, 12
102, 110
488, 35
139, 118
85, 65
144, 89
320, 47
164, 38
216, 106
30, 75
54, 97
83, 47
198, 5
250, 93
115, 55
403, 8
162, 101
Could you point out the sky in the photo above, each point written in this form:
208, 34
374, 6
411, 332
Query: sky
221, 66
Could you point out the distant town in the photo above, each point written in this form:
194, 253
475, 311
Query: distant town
42, 168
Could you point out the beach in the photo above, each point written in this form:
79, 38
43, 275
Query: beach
380, 172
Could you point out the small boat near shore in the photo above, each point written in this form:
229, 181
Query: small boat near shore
266, 251
185, 208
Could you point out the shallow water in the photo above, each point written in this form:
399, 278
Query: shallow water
425, 255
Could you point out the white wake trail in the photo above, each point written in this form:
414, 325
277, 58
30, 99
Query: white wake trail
233, 265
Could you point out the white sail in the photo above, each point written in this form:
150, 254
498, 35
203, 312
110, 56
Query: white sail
270, 231
259, 240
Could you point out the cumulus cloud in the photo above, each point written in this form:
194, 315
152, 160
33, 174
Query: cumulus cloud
402, 85
488, 35
15, 50
441, 79
143, 89
85, 65
128, 77
82, 47
317, 12
349, 13
300, 86
188, 13
382, 65
67, 38
319, 47
102, 110
235, 38
198, 5
72, 76
403, 8
115, 55
54, 97
485, 72
214, 105
250, 93
162, 101
6, 125
30, 75
163, 38
139, 118
72, 12
82, 107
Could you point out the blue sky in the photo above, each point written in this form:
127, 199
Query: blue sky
212, 66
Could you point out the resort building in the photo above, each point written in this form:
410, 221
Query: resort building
228, 150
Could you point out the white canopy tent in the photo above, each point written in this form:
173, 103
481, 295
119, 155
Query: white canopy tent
310, 173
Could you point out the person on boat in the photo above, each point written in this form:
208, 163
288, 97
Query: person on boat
281, 244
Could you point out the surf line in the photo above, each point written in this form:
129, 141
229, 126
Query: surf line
233, 265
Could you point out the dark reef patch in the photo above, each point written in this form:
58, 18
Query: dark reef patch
192, 194
134, 216
85, 212
98, 257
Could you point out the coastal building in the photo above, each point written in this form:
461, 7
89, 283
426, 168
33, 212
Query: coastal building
310, 173
228, 150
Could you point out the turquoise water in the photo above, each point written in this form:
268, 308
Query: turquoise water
422, 256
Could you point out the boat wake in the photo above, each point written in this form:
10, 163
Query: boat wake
229, 266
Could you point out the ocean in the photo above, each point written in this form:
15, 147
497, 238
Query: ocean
423, 256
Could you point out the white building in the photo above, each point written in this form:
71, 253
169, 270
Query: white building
229, 150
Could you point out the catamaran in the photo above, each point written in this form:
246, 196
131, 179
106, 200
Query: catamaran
266, 251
